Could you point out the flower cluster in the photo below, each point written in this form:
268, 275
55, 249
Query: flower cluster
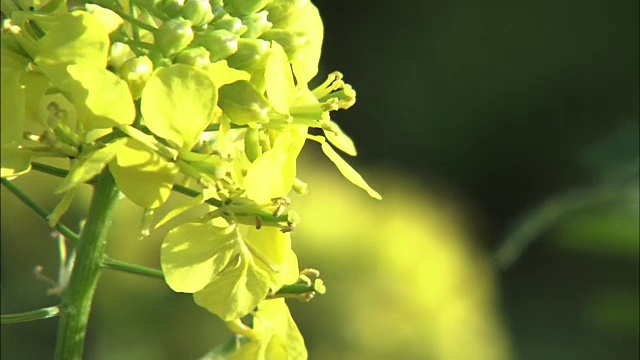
207, 95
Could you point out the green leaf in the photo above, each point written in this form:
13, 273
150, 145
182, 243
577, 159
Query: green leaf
192, 254
279, 335
178, 103
347, 171
235, 291
142, 175
89, 165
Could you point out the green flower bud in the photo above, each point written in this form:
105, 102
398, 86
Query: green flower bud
256, 23
158, 59
291, 41
243, 104
217, 9
136, 72
245, 7
250, 53
118, 54
196, 57
197, 11
172, 8
252, 146
282, 12
219, 43
231, 24
173, 36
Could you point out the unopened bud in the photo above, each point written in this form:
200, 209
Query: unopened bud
173, 36
119, 53
250, 53
196, 57
244, 7
219, 43
256, 23
136, 72
282, 12
172, 8
231, 24
197, 11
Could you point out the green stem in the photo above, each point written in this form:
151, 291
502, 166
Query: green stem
134, 26
44, 214
135, 22
114, 264
78, 296
39, 314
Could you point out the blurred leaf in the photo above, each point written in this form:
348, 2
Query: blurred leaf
617, 154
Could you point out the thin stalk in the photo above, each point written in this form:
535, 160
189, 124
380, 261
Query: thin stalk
78, 296
135, 22
44, 214
48, 169
39, 314
114, 264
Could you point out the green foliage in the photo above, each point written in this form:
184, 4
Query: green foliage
206, 97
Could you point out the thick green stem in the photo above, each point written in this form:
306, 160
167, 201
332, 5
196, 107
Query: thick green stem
78, 296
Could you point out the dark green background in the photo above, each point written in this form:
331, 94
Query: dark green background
502, 102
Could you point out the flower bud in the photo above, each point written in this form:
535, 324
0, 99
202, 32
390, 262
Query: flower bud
118, 54
242, 103
158, 59
252, 146
256, 23
250, 53
173, 36
282, 12
136, 72
197, 11
219, 43
231, 24
217, 8
196, 57
172, 8
244, 7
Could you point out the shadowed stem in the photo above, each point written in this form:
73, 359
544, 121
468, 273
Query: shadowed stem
78, 296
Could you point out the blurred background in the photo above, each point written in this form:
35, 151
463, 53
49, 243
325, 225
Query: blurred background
503, 137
